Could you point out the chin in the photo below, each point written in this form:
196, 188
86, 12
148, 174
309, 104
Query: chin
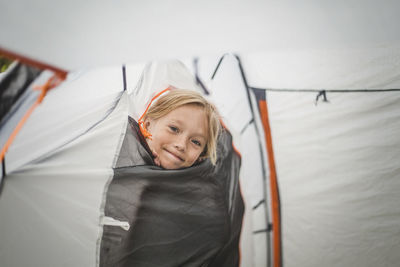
172, 166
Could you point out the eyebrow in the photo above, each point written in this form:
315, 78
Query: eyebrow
197, 134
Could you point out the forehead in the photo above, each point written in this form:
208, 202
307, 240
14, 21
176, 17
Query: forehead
192, 117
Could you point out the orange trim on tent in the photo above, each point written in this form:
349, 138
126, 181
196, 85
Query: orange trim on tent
55, 80
276, 217
32, 62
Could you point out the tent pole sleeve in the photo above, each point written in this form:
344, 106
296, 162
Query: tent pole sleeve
268, 244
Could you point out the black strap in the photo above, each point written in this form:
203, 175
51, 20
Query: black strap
124, 76
216, 68
323, 94
3, 165
267, 230
198, 80
262, 201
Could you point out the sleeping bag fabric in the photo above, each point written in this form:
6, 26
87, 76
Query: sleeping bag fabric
185, 217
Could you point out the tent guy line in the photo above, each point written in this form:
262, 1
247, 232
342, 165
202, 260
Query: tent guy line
326, 90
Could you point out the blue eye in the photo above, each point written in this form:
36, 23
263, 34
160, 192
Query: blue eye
174, 129
197, 143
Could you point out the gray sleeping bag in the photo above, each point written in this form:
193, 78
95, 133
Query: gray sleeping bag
186, 217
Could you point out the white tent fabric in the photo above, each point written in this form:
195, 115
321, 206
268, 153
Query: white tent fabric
338, 177
336, 161
365, 67
59, 166
90, 95
236, 113
57, 169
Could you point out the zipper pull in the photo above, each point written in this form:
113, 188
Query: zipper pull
113, 222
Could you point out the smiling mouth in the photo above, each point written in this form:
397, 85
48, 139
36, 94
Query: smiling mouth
175, 156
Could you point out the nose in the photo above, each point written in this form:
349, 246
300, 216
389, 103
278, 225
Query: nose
180, 143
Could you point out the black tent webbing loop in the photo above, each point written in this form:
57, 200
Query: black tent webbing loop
323, 94
196, 74
3, 166
267, 230
3, 175
247, 125
217, 67
124, 77
259, 204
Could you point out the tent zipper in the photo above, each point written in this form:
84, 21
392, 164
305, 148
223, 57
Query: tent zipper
113, 222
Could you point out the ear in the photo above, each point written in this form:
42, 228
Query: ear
144, 128
147, 123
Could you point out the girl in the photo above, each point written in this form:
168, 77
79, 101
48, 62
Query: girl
180, 216
181, 129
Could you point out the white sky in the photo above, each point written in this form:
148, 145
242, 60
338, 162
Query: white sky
73, 34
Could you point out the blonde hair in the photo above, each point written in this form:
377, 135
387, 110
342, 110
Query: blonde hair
176, 98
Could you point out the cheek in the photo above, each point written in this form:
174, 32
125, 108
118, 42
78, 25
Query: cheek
159, 140
194, 155
154, 142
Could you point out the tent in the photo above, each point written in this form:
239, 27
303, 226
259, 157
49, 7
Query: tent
311, 101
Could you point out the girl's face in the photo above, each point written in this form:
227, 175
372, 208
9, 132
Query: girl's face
179, 137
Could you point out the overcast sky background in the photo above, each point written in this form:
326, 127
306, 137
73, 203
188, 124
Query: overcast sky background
73, 34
